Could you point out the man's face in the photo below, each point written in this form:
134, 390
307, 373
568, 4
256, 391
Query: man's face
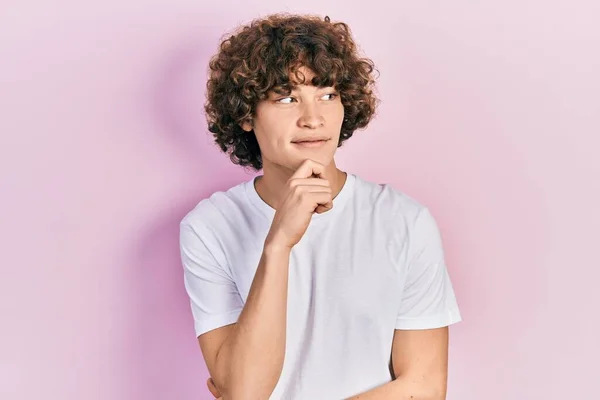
304, 125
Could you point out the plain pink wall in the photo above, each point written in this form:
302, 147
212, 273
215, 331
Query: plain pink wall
490, 116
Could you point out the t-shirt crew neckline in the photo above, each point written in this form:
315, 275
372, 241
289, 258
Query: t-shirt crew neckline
338, 202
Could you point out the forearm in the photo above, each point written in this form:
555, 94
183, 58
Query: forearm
251, 359
404, 388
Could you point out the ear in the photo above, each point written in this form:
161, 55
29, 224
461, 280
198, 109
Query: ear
247, 125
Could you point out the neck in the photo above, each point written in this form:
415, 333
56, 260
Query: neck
271, 183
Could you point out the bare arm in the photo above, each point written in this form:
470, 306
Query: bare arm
245, 359
420, 364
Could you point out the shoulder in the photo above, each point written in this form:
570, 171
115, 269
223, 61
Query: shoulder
212, 211
387, 200
404, 217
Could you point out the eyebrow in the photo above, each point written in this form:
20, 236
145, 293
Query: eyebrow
296, 87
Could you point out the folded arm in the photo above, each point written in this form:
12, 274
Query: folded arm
420, 366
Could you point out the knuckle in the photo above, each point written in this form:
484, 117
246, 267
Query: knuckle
297, 189
303, 197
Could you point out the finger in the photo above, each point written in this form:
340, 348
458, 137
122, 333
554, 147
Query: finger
324, 202
309, 182
323, 208
309, 168
212, 387
302, 189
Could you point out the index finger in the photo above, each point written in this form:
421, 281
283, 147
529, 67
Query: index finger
309, 168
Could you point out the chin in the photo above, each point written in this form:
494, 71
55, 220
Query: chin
292, 158
324, 159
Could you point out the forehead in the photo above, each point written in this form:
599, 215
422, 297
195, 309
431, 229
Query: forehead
299, 78
301, 74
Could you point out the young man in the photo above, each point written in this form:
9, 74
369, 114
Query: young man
309, 282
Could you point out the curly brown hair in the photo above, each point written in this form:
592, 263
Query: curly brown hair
260, 57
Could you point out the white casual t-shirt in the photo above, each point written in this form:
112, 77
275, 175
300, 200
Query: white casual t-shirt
372, 264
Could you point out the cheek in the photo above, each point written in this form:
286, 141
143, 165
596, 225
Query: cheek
272, 132
336, 114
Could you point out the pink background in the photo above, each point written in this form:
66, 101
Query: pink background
490, 116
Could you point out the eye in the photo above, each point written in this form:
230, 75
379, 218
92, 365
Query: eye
283, 100
333, 95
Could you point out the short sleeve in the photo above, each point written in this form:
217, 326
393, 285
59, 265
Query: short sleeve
428, 299
214, 298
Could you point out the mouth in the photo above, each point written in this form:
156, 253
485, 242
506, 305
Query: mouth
311, 142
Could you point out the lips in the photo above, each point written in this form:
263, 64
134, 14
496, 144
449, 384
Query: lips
311, 139
312, 143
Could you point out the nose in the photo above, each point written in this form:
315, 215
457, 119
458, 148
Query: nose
311, 116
